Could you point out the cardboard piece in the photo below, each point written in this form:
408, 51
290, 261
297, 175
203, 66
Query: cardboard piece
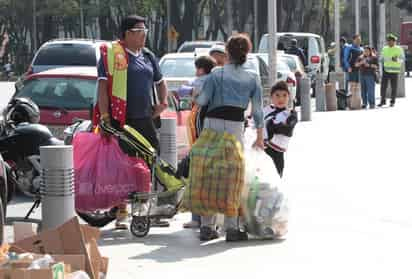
69, 239
65, 264
23, 230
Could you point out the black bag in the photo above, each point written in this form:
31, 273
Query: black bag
157, 121
343, 99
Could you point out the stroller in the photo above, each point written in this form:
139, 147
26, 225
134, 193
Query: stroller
165, 197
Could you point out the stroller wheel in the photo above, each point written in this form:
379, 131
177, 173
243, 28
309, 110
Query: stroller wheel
140, 226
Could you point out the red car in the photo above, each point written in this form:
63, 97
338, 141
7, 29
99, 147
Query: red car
64, 94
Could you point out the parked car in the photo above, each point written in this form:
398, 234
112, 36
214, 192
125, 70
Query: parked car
191, 46
297, 68
66, 94
65, 52
283, 73
179, 68
313, 46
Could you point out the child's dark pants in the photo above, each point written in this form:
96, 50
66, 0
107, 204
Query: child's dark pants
277, 158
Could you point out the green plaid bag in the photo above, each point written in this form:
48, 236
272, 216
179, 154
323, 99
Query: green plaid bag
217, 174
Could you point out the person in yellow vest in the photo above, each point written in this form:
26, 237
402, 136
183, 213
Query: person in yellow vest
392, 58
127, 73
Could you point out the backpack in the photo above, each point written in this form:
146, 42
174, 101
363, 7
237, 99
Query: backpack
150, 55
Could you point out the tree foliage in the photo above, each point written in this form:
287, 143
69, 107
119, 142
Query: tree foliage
192, 19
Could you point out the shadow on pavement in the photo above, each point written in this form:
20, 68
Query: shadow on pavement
176, 246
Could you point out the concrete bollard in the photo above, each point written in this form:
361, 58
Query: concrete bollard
305, 100
168, 146
320, 93
57, 187
331, 100
338, 78
355, 98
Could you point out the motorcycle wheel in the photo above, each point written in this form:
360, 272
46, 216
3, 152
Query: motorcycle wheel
98, 219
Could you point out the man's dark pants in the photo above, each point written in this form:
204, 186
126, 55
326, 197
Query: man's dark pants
393, 79
146, 128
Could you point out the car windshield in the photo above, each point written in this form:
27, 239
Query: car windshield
178, 67
67, 55
67, 93
282, 67
193, 47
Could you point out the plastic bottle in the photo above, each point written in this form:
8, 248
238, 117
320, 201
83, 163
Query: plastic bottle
43, 262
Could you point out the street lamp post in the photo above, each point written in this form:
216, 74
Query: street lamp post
255, 23
337, 36
34, 26
81, 20
272, 28
169, 25
357, 17
382, 24
370, 22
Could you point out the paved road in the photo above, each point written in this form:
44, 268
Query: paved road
349, 179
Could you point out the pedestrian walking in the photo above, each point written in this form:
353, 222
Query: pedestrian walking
204, 65
279, 124
392, 57
368, 64
218, 53
227, 92
127, 72
351, 56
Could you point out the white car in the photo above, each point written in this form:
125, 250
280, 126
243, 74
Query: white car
283, 73
179, 68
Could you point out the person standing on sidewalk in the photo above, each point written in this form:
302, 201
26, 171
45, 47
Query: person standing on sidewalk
227, 92
392, 57
351, 56
127, 73
368, 64
218, 53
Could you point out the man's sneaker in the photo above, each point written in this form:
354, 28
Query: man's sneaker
121, 219
191, 225
233, 235
158, 223
364, 106
392, 104
382, 104
207, 234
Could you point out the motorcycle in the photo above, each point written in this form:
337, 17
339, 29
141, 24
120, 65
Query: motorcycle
20, 140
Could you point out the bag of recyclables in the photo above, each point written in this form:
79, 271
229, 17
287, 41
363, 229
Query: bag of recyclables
264, 204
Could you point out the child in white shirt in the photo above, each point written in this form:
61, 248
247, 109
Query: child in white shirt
279, 124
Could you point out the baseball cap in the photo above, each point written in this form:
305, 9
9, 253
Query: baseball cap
392, 37
217, 48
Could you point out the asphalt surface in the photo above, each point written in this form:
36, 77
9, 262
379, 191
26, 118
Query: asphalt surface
348, 176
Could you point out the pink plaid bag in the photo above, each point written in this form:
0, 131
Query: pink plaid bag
104, 175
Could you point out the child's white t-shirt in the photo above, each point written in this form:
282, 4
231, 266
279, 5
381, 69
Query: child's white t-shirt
277, 142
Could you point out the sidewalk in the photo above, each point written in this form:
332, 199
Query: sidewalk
348, 174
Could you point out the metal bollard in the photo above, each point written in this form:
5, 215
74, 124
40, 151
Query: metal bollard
320, 93
57, 186
331, 100
168, 145
305, 100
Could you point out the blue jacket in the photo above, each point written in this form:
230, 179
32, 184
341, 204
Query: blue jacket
347, 52
233, 86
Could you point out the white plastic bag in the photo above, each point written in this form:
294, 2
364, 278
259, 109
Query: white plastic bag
264, 204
